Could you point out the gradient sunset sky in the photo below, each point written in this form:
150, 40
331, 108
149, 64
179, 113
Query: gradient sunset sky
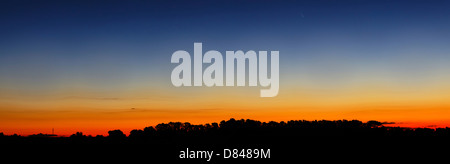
94, 66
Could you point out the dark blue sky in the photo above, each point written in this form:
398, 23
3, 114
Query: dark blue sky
44, 44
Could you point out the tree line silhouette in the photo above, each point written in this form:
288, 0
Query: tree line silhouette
233, 130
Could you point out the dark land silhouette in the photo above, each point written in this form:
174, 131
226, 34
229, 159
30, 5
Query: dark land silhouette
293, 141
235, 131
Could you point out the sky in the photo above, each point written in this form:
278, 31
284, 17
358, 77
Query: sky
94, 66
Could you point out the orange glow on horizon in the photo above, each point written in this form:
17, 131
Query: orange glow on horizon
94, 113
94, 123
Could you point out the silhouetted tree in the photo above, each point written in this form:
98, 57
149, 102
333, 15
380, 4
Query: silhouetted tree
116, 134
77, 135
136, 133
373, 124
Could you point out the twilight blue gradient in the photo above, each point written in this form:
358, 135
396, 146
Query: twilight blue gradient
109, 44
